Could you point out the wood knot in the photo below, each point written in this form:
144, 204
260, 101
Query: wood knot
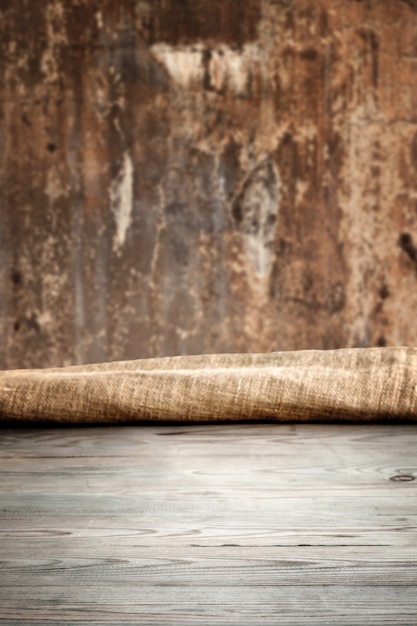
402, 478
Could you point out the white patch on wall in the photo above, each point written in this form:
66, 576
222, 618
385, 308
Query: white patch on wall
56, 38
228, 69
232, 69
121, 199
54, 188
184, 64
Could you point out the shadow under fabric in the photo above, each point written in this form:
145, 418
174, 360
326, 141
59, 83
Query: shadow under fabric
351, 384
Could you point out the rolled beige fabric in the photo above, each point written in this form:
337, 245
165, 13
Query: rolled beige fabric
352, 384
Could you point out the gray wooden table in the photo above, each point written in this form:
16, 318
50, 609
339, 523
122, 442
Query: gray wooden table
245, 524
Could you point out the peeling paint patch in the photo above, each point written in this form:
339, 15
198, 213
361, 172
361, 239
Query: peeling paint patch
232, 69
219, 69
99, 19
255, 212
54, 188
184, 64
121, 198
56, 37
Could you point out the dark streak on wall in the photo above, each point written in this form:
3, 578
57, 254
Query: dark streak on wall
182, 176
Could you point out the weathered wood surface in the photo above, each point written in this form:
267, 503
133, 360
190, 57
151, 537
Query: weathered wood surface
189, 176
246, 524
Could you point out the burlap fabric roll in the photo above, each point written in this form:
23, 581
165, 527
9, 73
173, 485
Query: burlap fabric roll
353, 384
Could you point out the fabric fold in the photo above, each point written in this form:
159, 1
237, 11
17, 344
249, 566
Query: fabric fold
349, 384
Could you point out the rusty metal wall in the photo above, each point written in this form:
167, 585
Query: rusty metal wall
182, 176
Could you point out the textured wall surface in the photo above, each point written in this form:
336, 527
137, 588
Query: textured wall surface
182, 176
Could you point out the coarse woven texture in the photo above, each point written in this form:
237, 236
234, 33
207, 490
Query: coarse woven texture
352, 384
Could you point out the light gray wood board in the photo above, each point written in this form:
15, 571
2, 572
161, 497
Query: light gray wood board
241, 524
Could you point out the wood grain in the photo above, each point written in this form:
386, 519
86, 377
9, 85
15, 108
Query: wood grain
244, 524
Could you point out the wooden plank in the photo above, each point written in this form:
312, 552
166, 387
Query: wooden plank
133, 603
124, 440
293, 565
319, 510
209, 525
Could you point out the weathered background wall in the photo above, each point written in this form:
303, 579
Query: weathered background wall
183, 176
